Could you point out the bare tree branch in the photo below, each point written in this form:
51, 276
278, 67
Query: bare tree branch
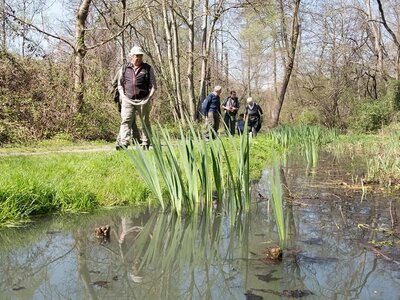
395, 40
40, 30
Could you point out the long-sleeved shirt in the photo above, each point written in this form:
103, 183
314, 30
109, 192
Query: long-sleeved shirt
211, 103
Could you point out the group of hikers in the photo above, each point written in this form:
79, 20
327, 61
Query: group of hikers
135, 85
211, 110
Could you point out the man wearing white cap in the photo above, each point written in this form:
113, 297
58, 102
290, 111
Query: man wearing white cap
136, 86
253, 113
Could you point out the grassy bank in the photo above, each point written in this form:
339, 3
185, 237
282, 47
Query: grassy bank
68, 182
57, 182
379, 153
79, 182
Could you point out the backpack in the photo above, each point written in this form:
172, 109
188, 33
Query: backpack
204, 105
114, 85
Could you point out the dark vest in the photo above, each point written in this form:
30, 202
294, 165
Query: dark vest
253, 112
136, 84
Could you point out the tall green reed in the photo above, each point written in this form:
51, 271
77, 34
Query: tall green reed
277, 200
191, 169
308, 138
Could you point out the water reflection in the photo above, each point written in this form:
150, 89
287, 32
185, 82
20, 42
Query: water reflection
152, 255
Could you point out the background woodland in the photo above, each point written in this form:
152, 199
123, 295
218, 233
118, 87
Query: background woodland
331, 63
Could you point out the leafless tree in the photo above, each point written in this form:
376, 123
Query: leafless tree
290, 47
393, 36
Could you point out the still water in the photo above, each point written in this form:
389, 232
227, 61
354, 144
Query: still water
332, 229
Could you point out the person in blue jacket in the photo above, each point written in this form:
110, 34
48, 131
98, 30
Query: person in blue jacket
240, 124
211, 109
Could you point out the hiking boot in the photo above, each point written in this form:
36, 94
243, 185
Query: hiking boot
121, 147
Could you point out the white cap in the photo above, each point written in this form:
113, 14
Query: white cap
136, 50
217, 88
136, 279
249, 100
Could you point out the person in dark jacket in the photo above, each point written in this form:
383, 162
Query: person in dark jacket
211, 109
136, 88
231, 107
240, 124
253, 113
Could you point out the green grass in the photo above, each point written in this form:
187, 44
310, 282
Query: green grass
59, 143
80, 182
380, 154
42, 184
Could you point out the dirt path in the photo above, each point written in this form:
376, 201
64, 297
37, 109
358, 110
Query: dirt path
73, 149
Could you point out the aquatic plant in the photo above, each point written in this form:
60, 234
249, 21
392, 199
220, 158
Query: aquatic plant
288, 136
277, 200
308, 138
192, 169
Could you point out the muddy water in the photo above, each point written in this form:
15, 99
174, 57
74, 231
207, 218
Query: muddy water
342, 245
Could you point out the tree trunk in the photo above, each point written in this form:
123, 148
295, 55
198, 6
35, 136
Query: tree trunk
226, 66
24, 30
3, 26
206, 46
163, 72
204, 55
177, 66
168, 38
275, 114
274, 61
283, 30
190, 87
377, 42
80, 52
123, 53
393, 35
249, 71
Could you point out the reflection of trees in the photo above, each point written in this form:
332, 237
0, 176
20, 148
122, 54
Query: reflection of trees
331, 263
212, 255
337, 266
27, 269
164, 257
83, 270
189, 257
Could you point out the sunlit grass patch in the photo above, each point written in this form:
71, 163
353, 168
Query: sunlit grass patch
32, 185
379, 154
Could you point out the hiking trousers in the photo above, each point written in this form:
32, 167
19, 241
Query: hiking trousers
128, 117
212, 121
230, 121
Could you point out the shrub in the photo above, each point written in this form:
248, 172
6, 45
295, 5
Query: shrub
370, 116
42, 108
393, 94
308, 117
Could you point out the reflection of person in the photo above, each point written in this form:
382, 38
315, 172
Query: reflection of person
253, 114
240, 124
211, 109
136, 87
129, 232
231, 107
